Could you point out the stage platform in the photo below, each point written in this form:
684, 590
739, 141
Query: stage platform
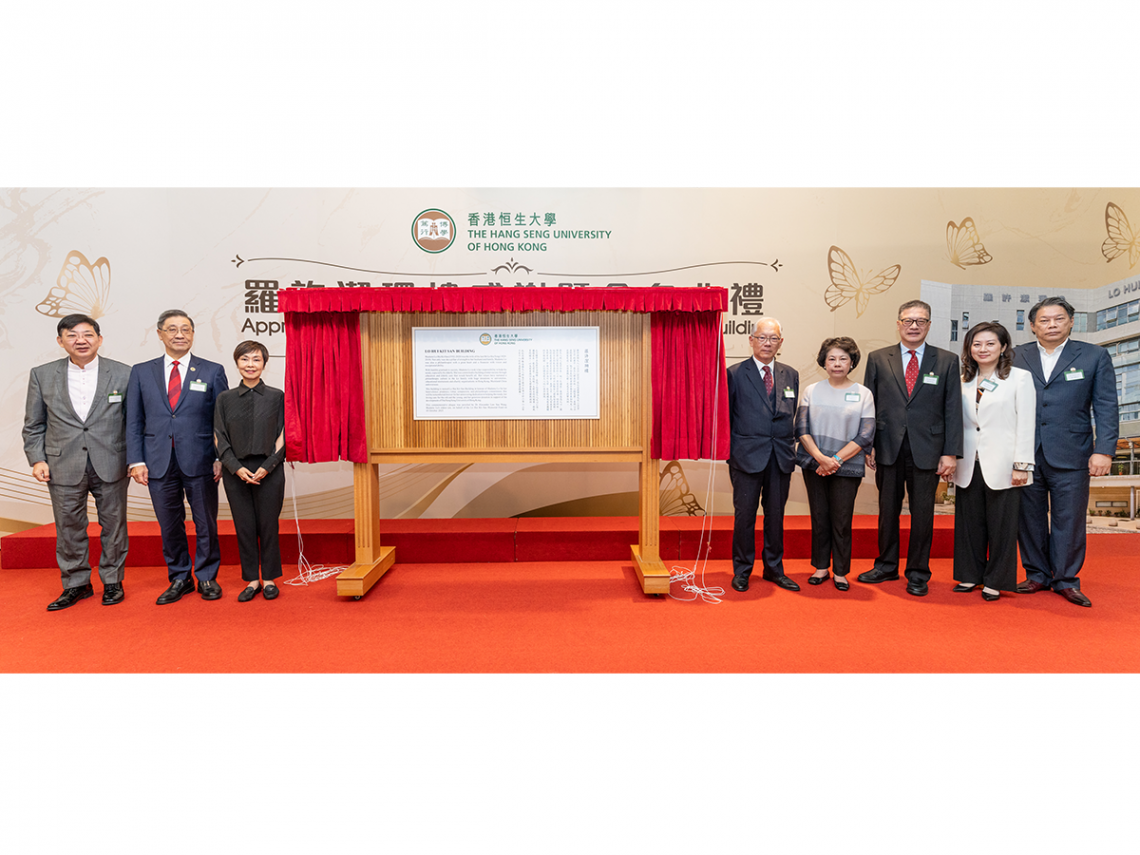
455, 541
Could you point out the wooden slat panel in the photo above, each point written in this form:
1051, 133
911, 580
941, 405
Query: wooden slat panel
620, 428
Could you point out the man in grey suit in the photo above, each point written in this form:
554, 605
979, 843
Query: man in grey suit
75, 442
1075, 383
762, 398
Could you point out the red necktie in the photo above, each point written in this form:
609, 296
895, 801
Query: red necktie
174, 387
768, 384
911, 372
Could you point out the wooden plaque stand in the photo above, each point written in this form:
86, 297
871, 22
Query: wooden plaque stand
622, 433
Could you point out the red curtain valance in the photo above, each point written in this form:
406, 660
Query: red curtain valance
503, 300
324, 402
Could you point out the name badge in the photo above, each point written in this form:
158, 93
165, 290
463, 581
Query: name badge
197, 386
930, 379
853, 397
989, 385
1074, 374
788, 393
115, 398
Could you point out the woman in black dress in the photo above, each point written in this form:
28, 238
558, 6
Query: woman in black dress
249, 431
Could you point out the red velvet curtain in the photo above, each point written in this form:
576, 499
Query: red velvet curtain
690, 387
324, 390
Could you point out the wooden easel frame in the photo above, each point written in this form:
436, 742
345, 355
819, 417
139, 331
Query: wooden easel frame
623, 434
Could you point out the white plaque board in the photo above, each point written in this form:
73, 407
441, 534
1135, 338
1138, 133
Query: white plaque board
506, 373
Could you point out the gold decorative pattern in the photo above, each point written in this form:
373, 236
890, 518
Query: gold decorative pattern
964, 245
847, 284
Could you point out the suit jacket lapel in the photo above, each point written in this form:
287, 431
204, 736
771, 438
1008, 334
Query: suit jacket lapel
1033, 361
895, 360
102, 382
64, 388
753, 374
1068, 357
160, 380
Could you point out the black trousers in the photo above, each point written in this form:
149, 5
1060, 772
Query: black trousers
750, 489
257, 511
831, 500
920, 486
985, 534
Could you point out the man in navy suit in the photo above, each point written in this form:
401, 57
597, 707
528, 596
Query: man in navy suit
1073, 380
762, 397
917, 389
170, 446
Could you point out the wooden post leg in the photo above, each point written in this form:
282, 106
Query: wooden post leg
651, 572
372, 559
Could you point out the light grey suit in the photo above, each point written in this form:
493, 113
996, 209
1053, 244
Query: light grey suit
83, 456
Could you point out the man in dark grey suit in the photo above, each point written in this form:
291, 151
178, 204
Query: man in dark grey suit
75, 442
1074, 380
762, 397
918, 439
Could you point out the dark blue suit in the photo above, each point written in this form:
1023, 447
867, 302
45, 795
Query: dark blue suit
761, 460
1053, 506
178, 449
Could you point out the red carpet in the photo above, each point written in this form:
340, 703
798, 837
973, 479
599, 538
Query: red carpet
580, 617
428, 541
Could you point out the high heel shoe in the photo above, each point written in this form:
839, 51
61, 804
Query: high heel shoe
965, 589
818, 580
990, 598
841, 583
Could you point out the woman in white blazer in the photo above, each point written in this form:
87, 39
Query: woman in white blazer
999, 407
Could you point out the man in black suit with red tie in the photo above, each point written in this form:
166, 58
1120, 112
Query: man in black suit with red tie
918, 439
762, 397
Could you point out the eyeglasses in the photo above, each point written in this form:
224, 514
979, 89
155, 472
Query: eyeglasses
766, 339
914, 322
173, 330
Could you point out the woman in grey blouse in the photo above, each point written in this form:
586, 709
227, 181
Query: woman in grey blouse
835, 423
249, 429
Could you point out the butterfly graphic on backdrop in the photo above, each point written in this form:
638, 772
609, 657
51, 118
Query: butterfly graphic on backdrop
81, 288
964, 245
1121, 238
676, 497
847, 285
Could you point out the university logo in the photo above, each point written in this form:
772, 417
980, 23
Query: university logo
433, 230
485, 338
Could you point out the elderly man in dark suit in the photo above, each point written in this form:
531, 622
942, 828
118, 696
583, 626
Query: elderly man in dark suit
170, 446
74, 434
918, 439
762, 397
1074, 380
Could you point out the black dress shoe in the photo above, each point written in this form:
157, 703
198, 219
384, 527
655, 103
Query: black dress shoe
740, 583
878, 574
990, 598
818, 580
1074, 596
210, 590
841, 583
918, 589
112, 593
70, 597
783, 581
247, 594
174, 593
1031, 587
965, 589
270, 592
